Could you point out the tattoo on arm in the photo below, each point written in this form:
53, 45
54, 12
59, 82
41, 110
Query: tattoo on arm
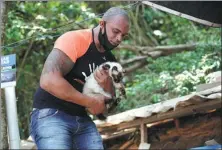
57, 61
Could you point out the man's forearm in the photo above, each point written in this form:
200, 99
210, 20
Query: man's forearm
59, 87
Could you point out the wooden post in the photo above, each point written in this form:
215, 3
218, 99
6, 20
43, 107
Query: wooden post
143, 133
3, 124
144, 141
177, 123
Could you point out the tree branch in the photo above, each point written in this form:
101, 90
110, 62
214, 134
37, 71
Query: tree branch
166, 49
132, 60
153, 52
24, 60
135, 66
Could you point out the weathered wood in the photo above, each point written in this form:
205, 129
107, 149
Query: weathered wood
115, 146
133, 146
118, 134
177, 123
210, 91
196, 129
147, 111
213, 104
143, 133
159, 122
201, 97
203, 87
127, 144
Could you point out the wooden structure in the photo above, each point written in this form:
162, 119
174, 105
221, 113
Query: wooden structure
138, 123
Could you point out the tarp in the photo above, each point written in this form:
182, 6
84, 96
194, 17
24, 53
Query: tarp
204, 12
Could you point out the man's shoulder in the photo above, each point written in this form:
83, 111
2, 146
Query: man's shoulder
79, 32
74, 43
79, 35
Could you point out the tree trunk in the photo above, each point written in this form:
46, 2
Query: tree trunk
3, 124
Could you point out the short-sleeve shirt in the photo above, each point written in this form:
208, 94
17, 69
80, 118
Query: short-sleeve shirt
79, 46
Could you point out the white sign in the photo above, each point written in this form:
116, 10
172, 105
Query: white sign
8, 70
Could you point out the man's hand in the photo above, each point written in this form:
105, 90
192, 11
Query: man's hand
97, 105
104, 80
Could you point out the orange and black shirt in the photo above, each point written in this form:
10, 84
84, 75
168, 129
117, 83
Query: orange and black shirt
79, 46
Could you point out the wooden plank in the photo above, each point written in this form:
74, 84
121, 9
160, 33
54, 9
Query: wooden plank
203, 87
118, 134
143, 112
143, 133
177, 123
205, 106
127, 144
210, 91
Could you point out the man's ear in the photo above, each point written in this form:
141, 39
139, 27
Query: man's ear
101, 23
106, 66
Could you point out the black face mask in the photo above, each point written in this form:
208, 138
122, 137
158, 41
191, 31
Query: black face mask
103, 40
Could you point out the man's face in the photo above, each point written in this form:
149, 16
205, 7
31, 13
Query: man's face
116, 29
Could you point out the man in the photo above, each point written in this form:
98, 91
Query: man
59, 118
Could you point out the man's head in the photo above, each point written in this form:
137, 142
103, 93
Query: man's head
114, 26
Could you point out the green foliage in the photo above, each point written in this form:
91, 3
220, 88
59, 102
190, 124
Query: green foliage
164, 78
41, 23
178, 74
170, 77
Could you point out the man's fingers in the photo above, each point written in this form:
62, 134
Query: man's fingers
105, 72
97, 75
100, 75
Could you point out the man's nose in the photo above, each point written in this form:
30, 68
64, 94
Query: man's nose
119, 38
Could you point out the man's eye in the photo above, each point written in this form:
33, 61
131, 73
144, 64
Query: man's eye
115, 31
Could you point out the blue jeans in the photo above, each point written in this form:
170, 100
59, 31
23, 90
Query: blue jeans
54, 129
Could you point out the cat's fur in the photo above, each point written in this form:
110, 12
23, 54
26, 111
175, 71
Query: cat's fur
92, 88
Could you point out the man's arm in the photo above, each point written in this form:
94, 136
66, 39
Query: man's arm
57, 65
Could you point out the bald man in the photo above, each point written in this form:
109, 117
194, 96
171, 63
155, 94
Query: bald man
59, 119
